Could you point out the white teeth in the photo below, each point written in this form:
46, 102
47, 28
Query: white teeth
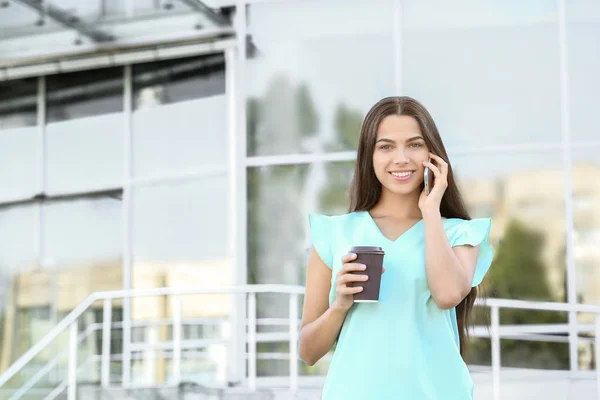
401, 174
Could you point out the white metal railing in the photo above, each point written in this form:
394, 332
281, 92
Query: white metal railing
69, 324
496, 304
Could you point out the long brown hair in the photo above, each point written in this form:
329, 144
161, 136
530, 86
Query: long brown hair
366, 188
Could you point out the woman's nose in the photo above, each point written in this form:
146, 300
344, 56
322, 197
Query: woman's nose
400, 157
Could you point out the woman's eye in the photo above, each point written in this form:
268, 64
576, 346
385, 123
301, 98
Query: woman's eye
385, 147
416, 145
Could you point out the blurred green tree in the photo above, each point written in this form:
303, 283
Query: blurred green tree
519, 272
333, 198
347, 123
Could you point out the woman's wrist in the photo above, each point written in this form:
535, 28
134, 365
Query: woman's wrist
336, 308
431, 213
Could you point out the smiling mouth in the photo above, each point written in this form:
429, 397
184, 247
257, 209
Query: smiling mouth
402, 176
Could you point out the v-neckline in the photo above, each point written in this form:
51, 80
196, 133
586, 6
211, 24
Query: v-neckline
372, 221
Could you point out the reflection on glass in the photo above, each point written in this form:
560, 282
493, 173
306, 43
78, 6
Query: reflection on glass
586, 218
83, 242
477, 74
277, 197
172, 81
180, 121
181, 222
18, 138
317, 67
24, 304
84, 94
85, 133
19, 167
80, 254
538, 355
176, 138
334, 196
18, 103
180, 239
583, 57
523, 193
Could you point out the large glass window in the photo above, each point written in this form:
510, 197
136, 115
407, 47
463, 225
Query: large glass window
181, 240
24, 313
19, 144
173, 81
476, 71
586, 219
279, 199
180, 235
85, 130
83, 240
523, 193
491, 77
583, 30
317, 68
179, 122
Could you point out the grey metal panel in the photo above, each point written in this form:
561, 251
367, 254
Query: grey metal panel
184, 51
132, 57
32, 70
117, 58
91, 62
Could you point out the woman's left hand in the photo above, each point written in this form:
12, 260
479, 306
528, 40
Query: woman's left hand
432, 201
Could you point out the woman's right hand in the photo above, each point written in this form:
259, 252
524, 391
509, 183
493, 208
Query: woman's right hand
344, 294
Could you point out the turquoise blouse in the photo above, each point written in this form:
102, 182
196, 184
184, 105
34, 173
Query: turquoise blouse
404, 346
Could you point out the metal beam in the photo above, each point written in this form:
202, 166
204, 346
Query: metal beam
199, 6
115, 193
68, 20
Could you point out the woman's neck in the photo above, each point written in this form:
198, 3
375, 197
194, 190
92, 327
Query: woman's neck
397, 205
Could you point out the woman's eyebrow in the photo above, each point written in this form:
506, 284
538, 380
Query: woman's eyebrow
414, 138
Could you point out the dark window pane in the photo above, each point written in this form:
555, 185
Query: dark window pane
18, 103
84, 94
177, 80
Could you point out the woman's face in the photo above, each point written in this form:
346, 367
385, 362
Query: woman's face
399, 153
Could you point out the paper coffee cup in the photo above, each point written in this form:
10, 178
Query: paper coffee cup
372, 257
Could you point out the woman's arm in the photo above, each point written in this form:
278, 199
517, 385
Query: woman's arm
449, 270
321, 324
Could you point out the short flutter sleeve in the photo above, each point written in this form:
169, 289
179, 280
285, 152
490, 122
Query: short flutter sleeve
320, 236
475, 232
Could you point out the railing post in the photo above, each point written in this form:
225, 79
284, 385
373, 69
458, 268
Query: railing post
176, 339
72, 371
495, 311
597, 348
293, 342
252, 341
106, 334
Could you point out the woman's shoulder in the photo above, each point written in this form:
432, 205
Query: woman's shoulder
468, 231
450, 223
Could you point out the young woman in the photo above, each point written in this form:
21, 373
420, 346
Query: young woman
411, 343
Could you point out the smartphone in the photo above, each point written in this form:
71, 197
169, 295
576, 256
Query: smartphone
428, 179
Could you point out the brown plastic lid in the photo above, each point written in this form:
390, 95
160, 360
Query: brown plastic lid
367, 249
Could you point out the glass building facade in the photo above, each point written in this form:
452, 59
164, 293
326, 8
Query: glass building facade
200, 170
